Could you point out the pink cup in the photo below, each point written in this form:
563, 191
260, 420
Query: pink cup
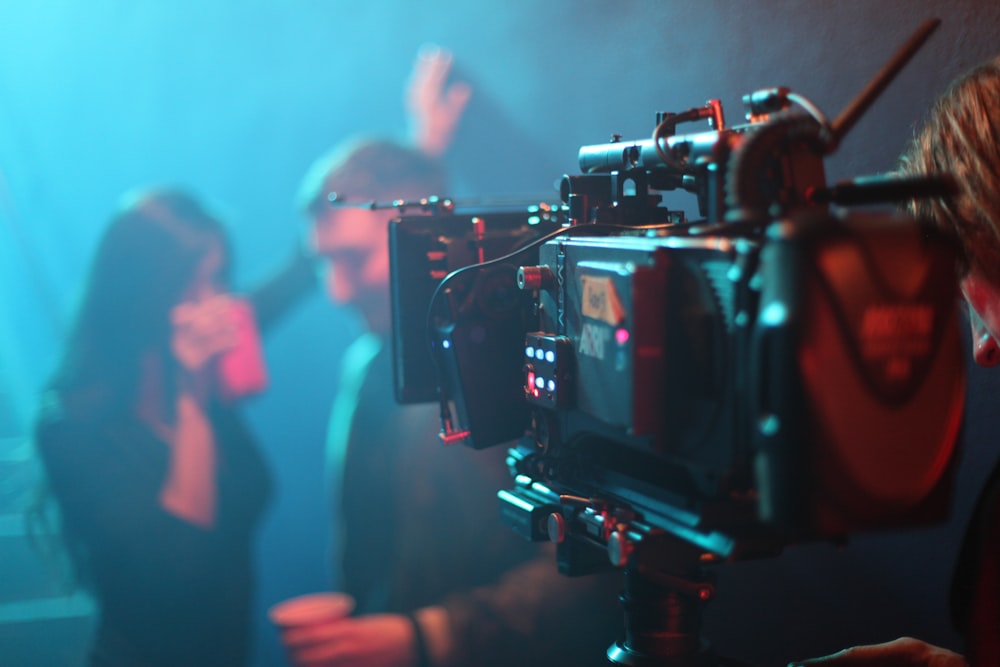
304, 620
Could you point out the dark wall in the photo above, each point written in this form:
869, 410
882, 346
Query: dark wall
234, 99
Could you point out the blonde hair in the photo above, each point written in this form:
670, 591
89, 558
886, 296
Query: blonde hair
961, 137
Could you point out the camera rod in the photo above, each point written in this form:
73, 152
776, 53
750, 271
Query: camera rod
849, 116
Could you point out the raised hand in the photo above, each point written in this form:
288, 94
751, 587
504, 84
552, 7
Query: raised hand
433, 107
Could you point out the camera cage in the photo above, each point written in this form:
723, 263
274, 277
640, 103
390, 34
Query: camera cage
673, 393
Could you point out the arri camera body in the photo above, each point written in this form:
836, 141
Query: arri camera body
788, 367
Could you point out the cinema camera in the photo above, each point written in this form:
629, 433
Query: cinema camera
787, 368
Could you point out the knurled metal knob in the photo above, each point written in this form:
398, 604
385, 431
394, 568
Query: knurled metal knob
531, 278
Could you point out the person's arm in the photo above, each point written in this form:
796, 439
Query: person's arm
531, 616
434, 106
276, 295
902, 652
530, 610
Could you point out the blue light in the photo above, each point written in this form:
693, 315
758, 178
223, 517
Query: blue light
775, 314
550, 356
539, 354
769, 425
530, 351
552, 385
539, 382
446, 343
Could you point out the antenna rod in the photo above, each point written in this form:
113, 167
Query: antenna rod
849, 116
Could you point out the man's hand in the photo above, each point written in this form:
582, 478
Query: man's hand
434, 111
378, 640
902, 652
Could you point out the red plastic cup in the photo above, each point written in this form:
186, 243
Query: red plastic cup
304, 622
242, 370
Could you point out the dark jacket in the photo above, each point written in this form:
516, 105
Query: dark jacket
420, 526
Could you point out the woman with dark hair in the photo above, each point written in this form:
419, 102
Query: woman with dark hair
158, 482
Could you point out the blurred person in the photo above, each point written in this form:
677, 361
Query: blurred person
437, 579
961, 137
159, 484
